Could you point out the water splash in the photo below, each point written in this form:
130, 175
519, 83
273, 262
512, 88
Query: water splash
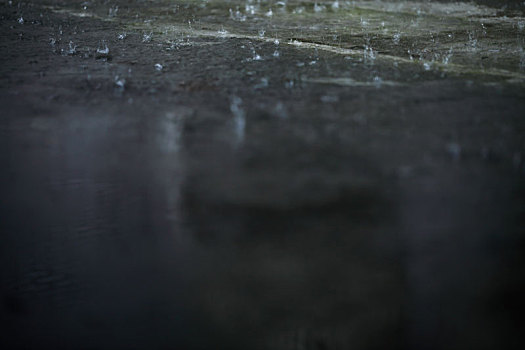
72, 49
102, 51
396, 38
113, 11
369, 55
120, 84
237, 15
319, 8
146, 37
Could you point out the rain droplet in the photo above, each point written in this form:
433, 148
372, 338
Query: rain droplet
454, 150
239, 118
158, 67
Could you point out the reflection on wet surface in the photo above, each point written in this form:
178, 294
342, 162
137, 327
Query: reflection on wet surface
262, 175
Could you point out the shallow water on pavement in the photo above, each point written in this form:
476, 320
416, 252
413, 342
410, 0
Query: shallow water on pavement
284, 175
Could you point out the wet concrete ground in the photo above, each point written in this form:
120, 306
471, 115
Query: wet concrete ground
344, 176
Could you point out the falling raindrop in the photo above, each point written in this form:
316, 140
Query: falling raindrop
454, 150
239, 118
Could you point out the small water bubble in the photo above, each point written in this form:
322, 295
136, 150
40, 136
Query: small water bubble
159, 67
